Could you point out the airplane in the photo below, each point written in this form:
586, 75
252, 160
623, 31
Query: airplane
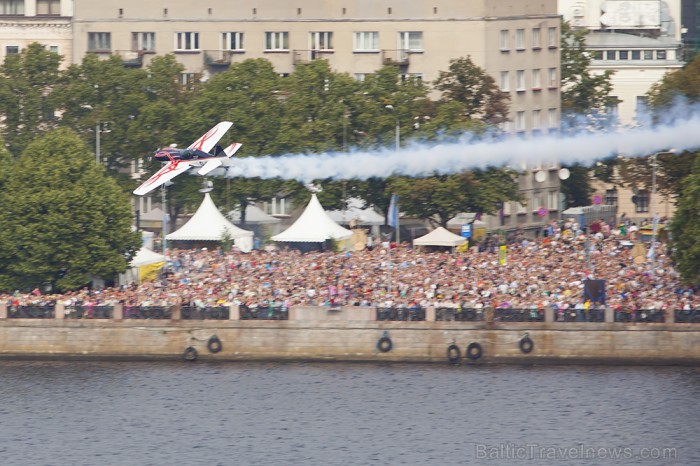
203, 153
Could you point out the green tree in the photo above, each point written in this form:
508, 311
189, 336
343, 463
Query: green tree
676, 87
26, 79
585, 97
577, 188
441, 197
685, 228
584, 94
64, 221
475, 91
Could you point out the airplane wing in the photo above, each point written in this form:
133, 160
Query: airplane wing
216, 162
232, 149
162, 176
211, 137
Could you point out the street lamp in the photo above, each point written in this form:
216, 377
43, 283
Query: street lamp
98, 131
397, 144
652, 206
387, 237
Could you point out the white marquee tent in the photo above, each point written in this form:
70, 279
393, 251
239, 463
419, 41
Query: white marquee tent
440, 237
208, 224
145, 262
313, 226
254, 215
355, 212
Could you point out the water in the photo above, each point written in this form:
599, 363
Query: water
142, 413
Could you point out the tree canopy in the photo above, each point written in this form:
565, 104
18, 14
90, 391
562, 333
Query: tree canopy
65, 221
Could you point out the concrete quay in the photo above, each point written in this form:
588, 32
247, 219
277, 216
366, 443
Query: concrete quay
351, 334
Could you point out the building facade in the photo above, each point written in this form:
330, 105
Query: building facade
638, 39
515, 41
47, 22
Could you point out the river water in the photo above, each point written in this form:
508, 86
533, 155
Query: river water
178, 413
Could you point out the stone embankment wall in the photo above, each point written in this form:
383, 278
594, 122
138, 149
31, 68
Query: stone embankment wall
351, 334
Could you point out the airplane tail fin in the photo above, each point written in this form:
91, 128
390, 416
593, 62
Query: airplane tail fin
232, 149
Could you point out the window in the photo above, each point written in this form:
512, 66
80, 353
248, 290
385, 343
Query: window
598, 55
52, 48
648, 54
552, 78
636, 55
232, 41
611, 105
361, 76
520, 80
11, 49
503, 41
611, 196
99, 42
537, 202
536, 119
553, 200
642, 105
187, 79
623, 55
505, 81
321, 41
186, 41
642, 204
11, 7
536, 39
520, 121
536, 79
143, 41
277, 41
366, 41
610, 54
552, 119
520, 39
48, 7
411, 40
552, 38
661, 55
408, 76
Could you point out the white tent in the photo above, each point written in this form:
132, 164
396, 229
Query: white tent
439, 237
208, 224
146, 257
143, 265
355, 212
254, 215
465, 218
313, 226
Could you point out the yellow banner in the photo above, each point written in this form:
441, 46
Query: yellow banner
502, 255
149, 272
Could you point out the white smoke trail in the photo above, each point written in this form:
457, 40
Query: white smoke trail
424, 160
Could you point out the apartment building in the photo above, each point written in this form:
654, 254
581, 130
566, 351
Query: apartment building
640, 40
45, 21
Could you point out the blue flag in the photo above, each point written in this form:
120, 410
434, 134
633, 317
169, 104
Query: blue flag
393, 213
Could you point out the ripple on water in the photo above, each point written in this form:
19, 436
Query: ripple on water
76, 413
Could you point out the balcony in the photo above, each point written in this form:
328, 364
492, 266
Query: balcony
301, 57
131, 58
398, 57
218, 58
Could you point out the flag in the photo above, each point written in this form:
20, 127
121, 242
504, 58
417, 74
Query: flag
393, 212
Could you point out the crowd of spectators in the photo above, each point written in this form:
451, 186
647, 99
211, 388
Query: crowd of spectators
535, 273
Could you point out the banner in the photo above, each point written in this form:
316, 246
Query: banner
149, 272
392, 214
